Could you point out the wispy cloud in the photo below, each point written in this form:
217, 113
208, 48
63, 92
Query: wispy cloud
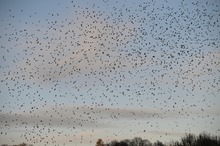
82, 116
90, 116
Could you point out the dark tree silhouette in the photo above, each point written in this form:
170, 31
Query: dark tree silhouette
137, 141
189, 140
99, 142
203, 139
119, 144
158, 143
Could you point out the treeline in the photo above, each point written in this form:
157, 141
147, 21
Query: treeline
203, 139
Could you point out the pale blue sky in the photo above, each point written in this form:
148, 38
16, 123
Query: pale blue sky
75, 71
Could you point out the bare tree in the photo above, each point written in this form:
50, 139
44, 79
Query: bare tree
137, 141
189, 140
99, 142
158, 143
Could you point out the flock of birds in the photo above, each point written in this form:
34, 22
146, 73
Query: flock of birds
107, 62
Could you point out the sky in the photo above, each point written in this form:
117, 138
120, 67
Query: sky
72, 72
